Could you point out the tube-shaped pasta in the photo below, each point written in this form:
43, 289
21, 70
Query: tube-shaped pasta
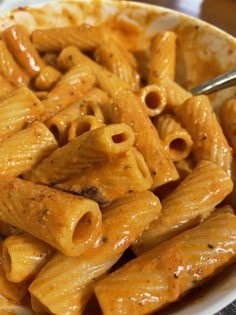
66, 222
108, 181
97, 145
17, 40
89, 104
106, 80
209, 142
47, 78
68, 291
83, 124
228, 121
70, 88
170, 270
176, 140
128, 108
163, 56
191, 202
10, 69
12, 291
19, 109
85, 37
154, 99
112, 56
22, 151
23, 256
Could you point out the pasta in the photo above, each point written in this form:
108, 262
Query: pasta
127, 109
10, 68
207, 247
97, 145
105, 156
12, 291
19, 44
64, 221
191, 202
98, 183
153, 98
176, 140
163, 56
17, 110
88, 104
23, 256
131, 215
22, 151
209, 142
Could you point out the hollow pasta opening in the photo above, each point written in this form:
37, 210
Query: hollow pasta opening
178, 145
153, 100
120, 137
83, 227
83, 127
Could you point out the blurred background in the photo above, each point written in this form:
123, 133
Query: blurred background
221, 13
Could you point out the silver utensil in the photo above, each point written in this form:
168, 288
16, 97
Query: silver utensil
220, 82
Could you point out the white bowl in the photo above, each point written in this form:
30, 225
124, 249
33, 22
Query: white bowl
204, 51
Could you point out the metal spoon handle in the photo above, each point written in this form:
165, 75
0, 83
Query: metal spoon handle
218, 83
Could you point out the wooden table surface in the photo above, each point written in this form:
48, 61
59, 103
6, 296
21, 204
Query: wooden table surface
221, 13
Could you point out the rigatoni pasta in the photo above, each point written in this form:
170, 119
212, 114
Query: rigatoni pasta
66, 222
22, 151
163, 272
71, 290
97, 145
129, 171
191, 202
129, 109
91, 178
176, 140
23, 256
209, 142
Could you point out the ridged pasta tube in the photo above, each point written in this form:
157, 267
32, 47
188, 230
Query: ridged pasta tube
67, 292
64, 221
176, 140
164, 274
154, 99
97, 145
209, 142
89, 104
10, 290
10, 69
85, 37
163, 56
17, 40
192, 201
114, 57
70, 88
128, 108
23, 256
19, 109
22, 151
108, 181
106, 80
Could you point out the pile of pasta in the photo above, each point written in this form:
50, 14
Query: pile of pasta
101, 154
